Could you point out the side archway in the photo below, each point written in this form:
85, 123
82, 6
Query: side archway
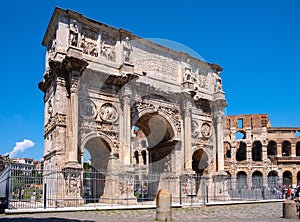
95, 170
199, 161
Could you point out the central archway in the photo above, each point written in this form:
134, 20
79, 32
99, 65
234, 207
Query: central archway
160, 146
95, 169
160, 139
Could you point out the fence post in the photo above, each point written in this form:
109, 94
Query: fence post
203, 190
7, 188
180, 190
45, 195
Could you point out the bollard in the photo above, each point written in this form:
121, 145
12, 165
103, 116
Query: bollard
290, 209
163, 206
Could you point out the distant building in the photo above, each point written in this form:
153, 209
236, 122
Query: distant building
258, 154
2, 166
25, 164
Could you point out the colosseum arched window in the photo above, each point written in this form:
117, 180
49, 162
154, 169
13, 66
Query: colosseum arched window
257, 179
287, 178
298, 148
257, 151
272, 148
241, 180
241, 153
286, 148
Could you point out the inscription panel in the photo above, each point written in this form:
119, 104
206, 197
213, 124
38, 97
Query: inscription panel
154, 64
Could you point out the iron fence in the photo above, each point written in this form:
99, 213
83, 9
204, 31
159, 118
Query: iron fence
55, 189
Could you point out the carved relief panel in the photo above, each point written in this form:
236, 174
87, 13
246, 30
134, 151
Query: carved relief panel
88, 42
108, 46
87, 109
108, 113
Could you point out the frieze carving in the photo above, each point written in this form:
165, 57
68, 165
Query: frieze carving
194, 76
98, 125
188, 185
88, 42
195, 129
142, 106
126, 186
87, 109
114, 137
172, 113
206, 130
108, 113
167, 164
56, 120
202, 82
108, 44
71, 181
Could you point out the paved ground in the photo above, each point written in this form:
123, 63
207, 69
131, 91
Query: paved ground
243, 212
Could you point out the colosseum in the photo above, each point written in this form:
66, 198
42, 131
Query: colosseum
257, 154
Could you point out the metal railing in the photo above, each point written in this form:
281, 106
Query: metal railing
55, 189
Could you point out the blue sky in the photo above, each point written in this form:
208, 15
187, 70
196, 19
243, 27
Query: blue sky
256, 42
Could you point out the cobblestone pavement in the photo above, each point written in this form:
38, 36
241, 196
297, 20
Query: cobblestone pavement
243, 212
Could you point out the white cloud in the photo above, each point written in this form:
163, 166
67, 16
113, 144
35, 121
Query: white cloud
21, 147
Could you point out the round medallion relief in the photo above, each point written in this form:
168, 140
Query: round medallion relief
206, 130
87, 109
108, 113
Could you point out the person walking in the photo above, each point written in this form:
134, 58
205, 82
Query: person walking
263, 192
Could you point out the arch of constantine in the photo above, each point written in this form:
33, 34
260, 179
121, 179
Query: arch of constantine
139, 109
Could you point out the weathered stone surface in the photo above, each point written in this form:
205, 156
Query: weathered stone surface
101, 82
289, 209
253, 147
164, 206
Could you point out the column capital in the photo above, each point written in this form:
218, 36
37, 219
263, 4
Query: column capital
126, 99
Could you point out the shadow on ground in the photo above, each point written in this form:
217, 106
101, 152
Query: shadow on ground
50, 219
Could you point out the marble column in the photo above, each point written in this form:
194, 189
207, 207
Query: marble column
126, 132
249, 151
220, 145
264, 152
72, 126
293, 149
187, 137
279, 149
218, 111
294, 179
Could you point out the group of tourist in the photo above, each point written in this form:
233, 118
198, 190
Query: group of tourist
287, 192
